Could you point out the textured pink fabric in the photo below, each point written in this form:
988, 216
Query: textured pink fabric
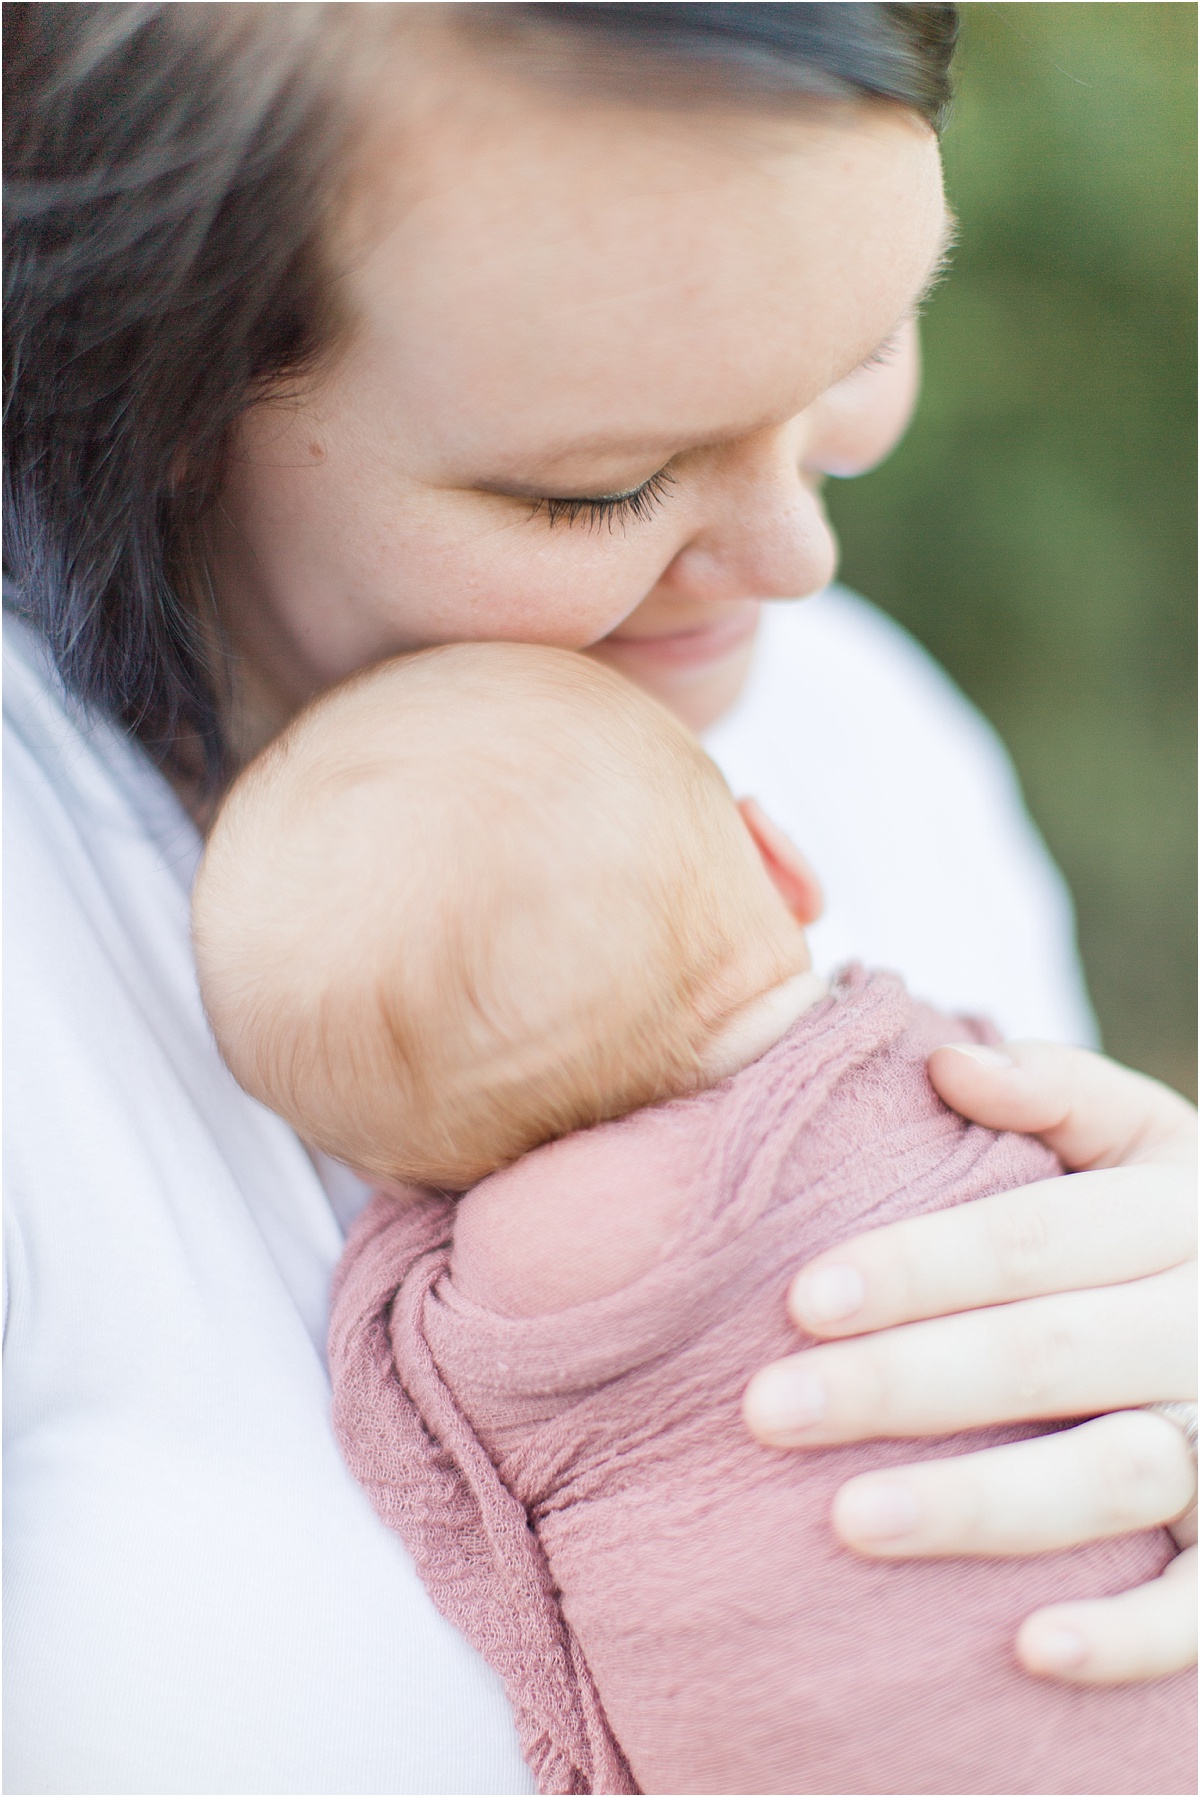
583, 1501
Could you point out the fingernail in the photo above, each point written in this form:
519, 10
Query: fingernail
828, 1295
987, 1057
783, 1399
1058, 1650
877, 1512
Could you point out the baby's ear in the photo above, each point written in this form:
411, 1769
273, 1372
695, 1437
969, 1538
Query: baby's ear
793, 878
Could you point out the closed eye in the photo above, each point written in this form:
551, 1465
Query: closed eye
882, 354
887, 351
607, 508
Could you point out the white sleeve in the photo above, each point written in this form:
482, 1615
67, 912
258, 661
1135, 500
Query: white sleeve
907, 805
198, 1596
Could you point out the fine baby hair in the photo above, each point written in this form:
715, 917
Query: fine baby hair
472, 900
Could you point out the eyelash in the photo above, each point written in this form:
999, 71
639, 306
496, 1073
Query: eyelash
645, 500
883, 354
642, 503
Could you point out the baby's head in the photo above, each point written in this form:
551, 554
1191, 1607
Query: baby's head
477, 898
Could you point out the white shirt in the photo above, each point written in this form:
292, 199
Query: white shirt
905, 803
199, 1598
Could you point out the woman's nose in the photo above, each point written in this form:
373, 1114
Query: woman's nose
764, 533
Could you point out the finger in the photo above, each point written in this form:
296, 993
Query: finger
1141, 1634
1058, 1235
1183, 1528
1090, 1111
1107, 1477
1065, 1355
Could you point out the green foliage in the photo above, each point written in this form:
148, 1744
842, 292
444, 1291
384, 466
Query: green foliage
1037, 528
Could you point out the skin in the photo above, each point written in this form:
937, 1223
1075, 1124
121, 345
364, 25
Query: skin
551, 296
394, 507
1082, 1269
516, 1254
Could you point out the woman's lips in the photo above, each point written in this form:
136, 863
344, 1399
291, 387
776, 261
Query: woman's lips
692, 648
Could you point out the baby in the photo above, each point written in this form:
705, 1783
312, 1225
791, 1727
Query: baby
486, 921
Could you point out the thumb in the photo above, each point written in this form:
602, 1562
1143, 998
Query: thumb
1089, 1110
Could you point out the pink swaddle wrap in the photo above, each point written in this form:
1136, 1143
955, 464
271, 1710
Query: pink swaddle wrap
663, 1597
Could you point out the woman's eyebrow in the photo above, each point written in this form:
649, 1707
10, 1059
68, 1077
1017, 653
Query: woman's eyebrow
941, 261
937, 272
661, 451
524, 489
654, 453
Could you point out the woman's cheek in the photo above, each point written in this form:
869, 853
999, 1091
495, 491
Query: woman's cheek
568, 584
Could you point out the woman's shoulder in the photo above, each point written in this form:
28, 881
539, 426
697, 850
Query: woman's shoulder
120, 1098
174, 1484
62, 762
845, 715
99, 863
906, 801
851, 671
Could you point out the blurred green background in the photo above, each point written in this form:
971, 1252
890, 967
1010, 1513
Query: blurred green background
1036, 530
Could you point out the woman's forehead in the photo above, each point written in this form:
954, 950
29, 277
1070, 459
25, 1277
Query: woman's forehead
541, 280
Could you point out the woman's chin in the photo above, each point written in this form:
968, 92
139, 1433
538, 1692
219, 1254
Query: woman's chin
699, 690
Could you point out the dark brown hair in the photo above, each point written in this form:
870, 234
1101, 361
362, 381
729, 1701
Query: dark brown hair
169, 173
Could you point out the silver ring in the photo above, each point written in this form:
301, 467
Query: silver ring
1183, 1415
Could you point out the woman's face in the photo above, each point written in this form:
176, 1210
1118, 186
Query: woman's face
600, 359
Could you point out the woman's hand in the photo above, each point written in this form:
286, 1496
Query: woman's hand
1071, 1297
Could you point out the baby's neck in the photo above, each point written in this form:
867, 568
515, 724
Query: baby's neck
759, 1025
